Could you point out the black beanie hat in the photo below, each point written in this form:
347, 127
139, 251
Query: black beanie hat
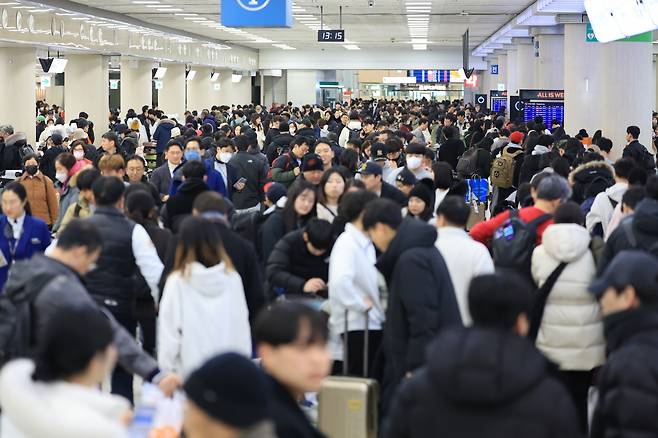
231, 389
421, 191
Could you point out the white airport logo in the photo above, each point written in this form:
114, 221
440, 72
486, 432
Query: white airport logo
253, 5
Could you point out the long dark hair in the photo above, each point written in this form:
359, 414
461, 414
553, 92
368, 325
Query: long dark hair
18, 189
71, 339
290, 217
140, 205
323, 181
199, 241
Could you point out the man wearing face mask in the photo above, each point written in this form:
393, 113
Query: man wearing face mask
194, 152
414, 162
229, 174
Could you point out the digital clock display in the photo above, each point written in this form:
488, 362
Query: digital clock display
331, 36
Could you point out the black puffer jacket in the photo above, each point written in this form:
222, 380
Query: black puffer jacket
421, 299
590, 179
628, 387
290, 265
644, 226
11, 159
483, 383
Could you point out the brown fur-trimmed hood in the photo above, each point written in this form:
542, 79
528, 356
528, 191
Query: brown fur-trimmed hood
589, 166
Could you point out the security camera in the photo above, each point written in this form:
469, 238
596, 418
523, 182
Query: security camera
371, 3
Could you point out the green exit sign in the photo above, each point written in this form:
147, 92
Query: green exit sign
646, 37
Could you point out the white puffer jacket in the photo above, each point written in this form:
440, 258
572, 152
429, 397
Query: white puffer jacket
571, 331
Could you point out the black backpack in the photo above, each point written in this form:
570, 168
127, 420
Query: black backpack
355, 134
627, 226
17, 334
248, 226
515, 241
467, 166
25, 150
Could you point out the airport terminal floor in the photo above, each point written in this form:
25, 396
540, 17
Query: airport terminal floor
299, 219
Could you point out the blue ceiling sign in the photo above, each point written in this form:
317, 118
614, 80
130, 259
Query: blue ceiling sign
494, 69
256, 13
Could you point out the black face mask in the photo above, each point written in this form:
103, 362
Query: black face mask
31, 170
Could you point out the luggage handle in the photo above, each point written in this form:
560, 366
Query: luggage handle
366, 338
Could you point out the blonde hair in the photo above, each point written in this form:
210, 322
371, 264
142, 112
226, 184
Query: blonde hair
111, 162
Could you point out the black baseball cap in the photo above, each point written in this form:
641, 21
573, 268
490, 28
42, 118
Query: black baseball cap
416, 148
372, 168
629, 268
378, 152
311, 161
406, 177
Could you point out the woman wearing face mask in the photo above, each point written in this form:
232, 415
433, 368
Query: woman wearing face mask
332, 187
21, 234
79, 151
65, 184
40, 191
58, 394
299, 208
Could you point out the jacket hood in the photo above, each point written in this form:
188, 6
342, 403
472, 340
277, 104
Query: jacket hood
616, 191
206, 281
588, 171
16, 138
37, 265
566, 242
193, 185
412, 233
540, 150
645, 218
167, 122
354, 124
479, 366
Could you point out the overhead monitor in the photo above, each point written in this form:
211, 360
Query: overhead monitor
53, 65
549, 104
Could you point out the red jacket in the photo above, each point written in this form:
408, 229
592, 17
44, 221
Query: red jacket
484, 231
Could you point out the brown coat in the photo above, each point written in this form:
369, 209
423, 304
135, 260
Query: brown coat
42, 197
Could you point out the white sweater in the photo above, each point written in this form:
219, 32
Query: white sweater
202, 314
352, 278
465, 259
571, 332
56, 410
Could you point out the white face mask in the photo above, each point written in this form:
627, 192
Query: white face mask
414, 162
61, 177
225, 157
79, 155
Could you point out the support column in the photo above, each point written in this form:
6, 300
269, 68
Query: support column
86, 88
512, 85
201, 92
18, 92
605, 87
502, 69
549, 65
171, 98
301, 86
524, 63
235, 93
135, 85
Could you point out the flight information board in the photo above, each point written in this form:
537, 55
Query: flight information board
497, 103
498, 100
549, 104
430, 76
548, 110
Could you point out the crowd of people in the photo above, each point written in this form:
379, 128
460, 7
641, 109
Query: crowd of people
501, 274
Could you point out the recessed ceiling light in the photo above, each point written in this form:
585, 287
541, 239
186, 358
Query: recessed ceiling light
186, 15
145, 2
352, 47
170, 10
419, 46
283, 46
